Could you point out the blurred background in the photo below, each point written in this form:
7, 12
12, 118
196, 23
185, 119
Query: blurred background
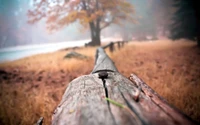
153, 19
36, 37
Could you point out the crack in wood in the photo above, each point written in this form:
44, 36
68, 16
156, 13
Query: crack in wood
104, 75
160, 102
106, 90
143, 122
106, 93
142, 106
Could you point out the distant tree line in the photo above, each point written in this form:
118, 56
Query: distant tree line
180, 18
186, 20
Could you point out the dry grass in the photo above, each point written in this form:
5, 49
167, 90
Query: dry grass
33, 86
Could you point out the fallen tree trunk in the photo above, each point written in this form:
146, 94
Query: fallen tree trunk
105, 97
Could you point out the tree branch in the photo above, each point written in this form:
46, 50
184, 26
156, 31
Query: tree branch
106, 25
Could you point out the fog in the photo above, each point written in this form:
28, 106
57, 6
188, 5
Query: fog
152, 17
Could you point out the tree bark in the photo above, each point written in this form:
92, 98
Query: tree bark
95, 35
105, 97
94, 29
96, 40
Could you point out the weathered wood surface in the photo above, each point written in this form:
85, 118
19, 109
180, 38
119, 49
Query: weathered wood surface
84, 102
176, 116
40, 121
103, 62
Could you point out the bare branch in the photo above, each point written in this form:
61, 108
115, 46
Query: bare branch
106, 25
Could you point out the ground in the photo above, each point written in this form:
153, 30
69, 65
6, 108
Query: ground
32, 87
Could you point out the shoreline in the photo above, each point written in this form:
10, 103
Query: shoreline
18, 52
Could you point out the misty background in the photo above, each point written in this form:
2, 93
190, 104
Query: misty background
152, 16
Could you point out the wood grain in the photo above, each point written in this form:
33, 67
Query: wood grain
103, 62
84, 101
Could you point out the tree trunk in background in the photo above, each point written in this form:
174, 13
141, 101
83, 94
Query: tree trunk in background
198, 25
197, 12
198, 41
95, 35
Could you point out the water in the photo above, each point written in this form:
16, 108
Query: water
14, 53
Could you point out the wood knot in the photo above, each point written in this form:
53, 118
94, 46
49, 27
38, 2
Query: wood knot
103, 75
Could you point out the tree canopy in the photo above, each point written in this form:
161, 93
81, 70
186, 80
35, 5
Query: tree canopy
93, 14
186, 21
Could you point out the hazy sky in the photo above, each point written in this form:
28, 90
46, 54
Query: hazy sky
13, 25
14, 29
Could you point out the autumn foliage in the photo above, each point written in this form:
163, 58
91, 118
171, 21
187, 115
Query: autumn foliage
93, 14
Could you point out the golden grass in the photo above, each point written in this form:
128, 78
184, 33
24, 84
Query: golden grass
34, 85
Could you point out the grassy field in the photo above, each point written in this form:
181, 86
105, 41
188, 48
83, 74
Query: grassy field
32, 87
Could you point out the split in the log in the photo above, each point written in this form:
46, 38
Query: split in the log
40, 121
105, 97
